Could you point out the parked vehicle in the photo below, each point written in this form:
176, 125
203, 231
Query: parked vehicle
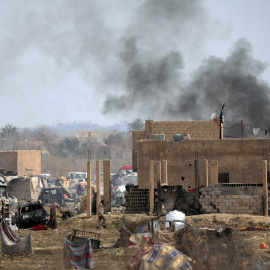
79, 176
52, 195
31, 214
71, 174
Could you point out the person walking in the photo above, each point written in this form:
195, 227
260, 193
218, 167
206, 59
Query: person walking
101, 217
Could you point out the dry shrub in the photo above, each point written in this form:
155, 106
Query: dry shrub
211, 250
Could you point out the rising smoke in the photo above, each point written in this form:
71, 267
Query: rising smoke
153, 60
141, 57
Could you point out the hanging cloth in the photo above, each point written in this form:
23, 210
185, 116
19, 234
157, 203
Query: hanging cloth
256, 131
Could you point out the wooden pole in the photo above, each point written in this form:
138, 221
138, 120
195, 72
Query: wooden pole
89, 193
197, 184
107, 184
152, 183
98, 183
164, 173
206, 172
265, 189
158, 187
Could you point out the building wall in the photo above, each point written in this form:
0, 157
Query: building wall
198, 130
26, 189
241, 158
29, 162
137, 135
8, 161
240, 199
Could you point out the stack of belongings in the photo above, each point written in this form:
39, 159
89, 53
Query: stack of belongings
158, 252
79, 255
11, 243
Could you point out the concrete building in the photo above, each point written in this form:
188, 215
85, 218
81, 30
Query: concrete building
21, 162
229, 160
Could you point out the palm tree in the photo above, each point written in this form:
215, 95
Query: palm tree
136, 124
9, 131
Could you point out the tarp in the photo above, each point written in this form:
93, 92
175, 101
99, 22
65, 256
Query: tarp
79, 255
11, 243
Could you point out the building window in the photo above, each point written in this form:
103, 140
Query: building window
223, 178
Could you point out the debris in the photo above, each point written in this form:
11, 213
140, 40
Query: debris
118, 251
262, 246
30, 214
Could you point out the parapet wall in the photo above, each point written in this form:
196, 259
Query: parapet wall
232, 198
198, 130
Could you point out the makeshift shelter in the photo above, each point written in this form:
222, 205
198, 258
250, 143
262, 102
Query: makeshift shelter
27, 188
11, 243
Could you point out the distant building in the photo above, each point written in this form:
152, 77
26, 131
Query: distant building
21, 162
88, 134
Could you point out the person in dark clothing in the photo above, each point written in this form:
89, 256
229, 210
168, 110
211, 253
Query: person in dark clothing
53, 219
80, 190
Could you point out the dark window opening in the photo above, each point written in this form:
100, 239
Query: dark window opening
223, 178
182, 178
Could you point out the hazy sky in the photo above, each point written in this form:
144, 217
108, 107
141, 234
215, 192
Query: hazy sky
110, 61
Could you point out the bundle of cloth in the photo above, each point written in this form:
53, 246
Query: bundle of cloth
11, 243
158, 252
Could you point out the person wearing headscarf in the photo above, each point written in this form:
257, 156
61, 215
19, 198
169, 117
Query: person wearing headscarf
53, 219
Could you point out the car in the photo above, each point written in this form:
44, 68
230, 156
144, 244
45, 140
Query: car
31, 213
79, 176
53, 195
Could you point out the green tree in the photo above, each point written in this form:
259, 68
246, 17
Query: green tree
9, 131
136, 124
114, 138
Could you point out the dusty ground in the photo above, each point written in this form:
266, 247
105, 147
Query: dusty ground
241, 246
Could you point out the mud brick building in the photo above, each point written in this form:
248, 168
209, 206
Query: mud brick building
229, 160
21, 162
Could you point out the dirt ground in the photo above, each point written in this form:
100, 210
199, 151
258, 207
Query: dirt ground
237, 251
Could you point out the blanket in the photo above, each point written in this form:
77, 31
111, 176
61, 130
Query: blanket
167, 257
79, 255
11, 243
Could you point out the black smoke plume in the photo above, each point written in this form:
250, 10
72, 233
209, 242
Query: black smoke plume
154, 80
